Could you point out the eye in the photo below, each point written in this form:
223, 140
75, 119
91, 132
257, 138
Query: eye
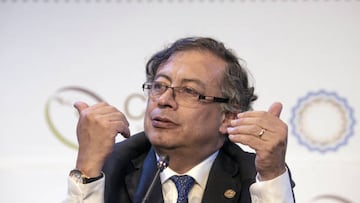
190, 91
158, 86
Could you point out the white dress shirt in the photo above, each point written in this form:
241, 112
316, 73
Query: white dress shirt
200, 173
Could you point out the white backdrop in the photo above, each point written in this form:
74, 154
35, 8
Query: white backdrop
302, 53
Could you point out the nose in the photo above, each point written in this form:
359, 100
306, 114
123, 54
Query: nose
168, 98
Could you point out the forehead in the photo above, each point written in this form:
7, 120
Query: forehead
193, 65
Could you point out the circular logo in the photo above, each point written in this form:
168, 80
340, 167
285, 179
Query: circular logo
61, 116
322, 121
330, 198
132, 103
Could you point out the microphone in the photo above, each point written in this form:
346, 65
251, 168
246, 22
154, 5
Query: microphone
162, 163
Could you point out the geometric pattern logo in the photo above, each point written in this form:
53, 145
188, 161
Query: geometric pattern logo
322, 121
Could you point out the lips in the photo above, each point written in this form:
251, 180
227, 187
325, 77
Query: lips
162, 122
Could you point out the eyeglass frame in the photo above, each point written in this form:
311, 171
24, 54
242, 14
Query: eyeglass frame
148, 86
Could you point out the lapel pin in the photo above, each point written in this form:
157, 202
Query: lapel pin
229, 193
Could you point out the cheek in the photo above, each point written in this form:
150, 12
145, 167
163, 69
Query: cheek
208, 121
147, 120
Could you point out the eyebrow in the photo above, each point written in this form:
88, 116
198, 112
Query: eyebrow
185, 80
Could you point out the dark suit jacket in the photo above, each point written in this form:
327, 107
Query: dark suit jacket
132, 165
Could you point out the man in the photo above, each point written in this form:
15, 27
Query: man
198, 105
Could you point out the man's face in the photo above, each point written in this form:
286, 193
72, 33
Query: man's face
170, 125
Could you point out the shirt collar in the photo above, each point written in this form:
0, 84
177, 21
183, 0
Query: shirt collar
199, 172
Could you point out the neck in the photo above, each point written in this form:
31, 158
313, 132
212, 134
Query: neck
182, 160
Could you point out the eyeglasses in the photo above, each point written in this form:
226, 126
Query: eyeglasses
185, 96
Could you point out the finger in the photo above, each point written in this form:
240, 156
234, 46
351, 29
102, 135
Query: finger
253, 130
123, 129
250, 141
109, 112
103, 108
80, 106
251, 121
115, 117
275, 109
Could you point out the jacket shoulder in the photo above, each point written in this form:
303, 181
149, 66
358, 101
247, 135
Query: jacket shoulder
120, 164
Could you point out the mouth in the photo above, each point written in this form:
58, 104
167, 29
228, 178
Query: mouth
162, 122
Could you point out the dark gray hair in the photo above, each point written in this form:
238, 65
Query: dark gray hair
235, 84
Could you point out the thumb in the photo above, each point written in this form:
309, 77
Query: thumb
80, 106
275, 109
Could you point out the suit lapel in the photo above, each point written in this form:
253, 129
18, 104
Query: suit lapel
230, 177
145, 177
221, 185
132, 179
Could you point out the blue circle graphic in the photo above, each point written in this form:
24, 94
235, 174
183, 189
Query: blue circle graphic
306, 113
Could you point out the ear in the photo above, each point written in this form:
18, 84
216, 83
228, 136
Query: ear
227, 117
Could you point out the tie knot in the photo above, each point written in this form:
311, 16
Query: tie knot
183, 185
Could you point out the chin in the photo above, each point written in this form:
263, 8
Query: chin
160, 140
156, 137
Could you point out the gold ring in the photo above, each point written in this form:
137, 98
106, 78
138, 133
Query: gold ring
261, 133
